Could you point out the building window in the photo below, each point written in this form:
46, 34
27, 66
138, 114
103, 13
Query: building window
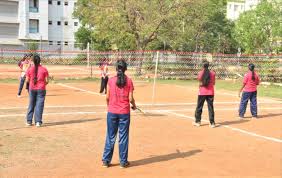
236, 8
59, 23
58, 3
50, 2
66, 23
33, 6
66, 3
58, 43
230, 6
50, 42
33, 26
50, 22
75, 23
66, 43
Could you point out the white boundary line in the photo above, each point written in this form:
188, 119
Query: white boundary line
219, 93
229, 127
146, 110
224, 93
80, 89
55, 113
146, 104
159, 111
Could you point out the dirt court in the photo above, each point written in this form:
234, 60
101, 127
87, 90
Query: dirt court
163, 142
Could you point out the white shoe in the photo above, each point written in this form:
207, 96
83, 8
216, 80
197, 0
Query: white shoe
38, 124
28, 124
19, 96
212, 125
197, 124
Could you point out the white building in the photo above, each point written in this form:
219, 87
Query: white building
50, 22
236, 7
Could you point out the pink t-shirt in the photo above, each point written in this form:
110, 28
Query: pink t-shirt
41, 76
119, 97
207, 90
250, 85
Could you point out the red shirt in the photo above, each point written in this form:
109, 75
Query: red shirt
41, 76
250, 85
207, 90
119, 97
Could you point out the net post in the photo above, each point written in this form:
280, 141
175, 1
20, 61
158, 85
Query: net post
91, 71
88, 55
155, 77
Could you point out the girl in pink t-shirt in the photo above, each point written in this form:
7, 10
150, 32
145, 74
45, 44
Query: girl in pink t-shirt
37, 76
24, 64
206, 93
104, 75
250, 82
119, 96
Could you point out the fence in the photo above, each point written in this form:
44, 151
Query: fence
162, 65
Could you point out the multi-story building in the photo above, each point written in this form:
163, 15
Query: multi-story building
236, 7
48, 22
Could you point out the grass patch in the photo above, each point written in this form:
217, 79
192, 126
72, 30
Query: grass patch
272, 91
76, 80
9, 80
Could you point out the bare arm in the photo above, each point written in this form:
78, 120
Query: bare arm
47, 80
132, 100
108, 96
27, 79
239, 94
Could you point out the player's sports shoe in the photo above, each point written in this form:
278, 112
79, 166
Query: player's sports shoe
240, 117
19, 96
212, 125
38, 124
124, 165
197, 124
106, 164
28, 124
255, 117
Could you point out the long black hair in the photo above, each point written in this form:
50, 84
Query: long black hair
206, 75
121, 67
36, 61
252, 69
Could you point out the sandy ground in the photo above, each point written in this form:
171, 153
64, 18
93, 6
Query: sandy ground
163, 143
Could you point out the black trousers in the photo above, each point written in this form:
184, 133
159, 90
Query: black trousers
200, 104
104, 83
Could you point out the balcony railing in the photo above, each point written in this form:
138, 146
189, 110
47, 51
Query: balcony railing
33, 9
33, 30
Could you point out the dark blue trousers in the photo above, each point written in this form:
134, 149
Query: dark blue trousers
115, 123
36, 105
246, 96
21, 85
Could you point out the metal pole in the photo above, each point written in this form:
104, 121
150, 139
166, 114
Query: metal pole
41, 45
88, 55
91, 71
155, 77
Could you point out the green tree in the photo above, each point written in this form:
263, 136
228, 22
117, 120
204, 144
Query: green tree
260, 30
203, 27
83, 36
129, 24
32, 45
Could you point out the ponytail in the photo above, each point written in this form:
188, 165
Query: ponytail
121, 77
206, 75
36, 61
252, 69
